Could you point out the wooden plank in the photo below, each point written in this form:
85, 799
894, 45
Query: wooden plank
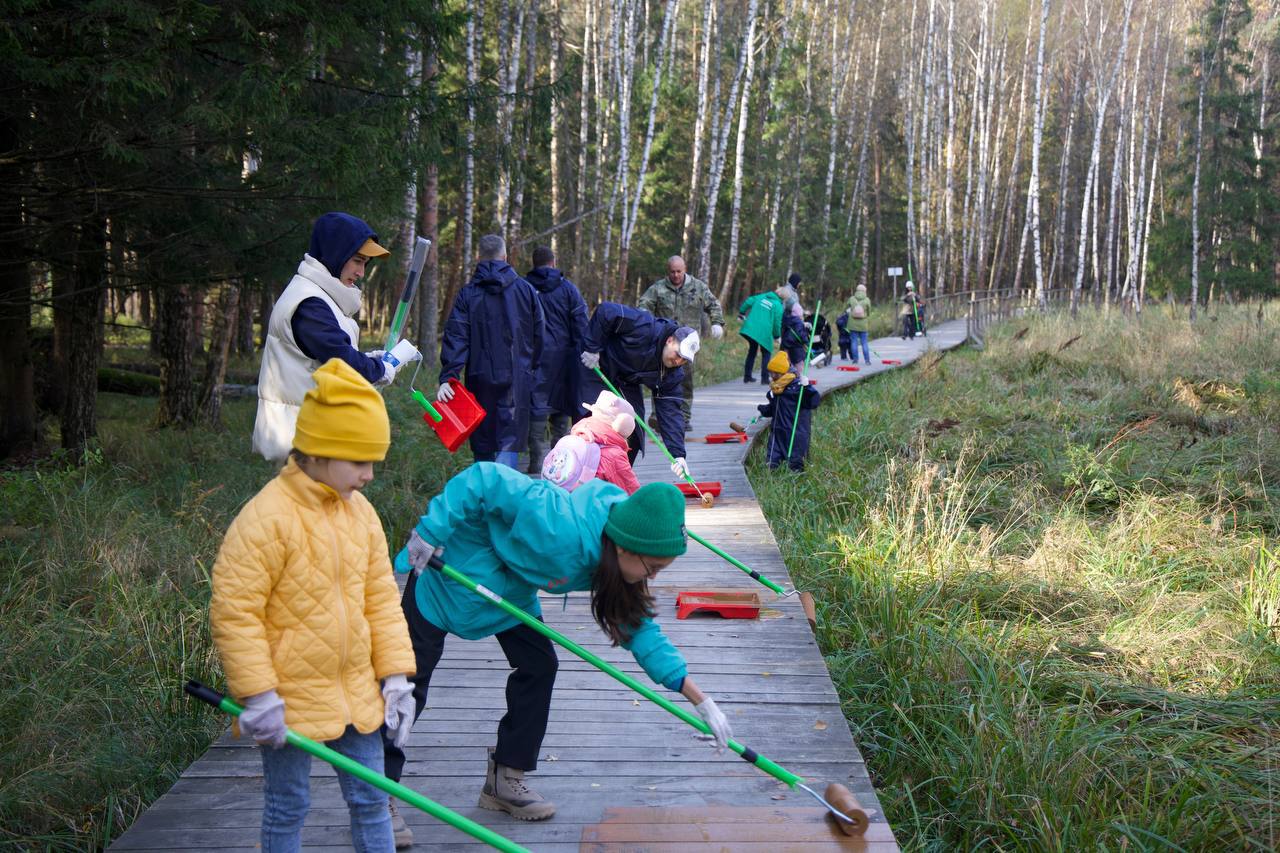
625, 774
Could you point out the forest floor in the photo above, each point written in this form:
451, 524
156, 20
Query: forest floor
1049, 583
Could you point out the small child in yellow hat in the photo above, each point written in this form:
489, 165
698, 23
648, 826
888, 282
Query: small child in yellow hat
306, 614
788, 399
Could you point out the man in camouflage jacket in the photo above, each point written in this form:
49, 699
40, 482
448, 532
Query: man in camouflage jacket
684, 299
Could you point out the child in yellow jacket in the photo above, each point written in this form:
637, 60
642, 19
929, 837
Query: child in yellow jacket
306, 614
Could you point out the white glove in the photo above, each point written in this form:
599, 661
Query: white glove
591, 360
263, 719
420, 552
388, 374
680, 467
445, 392
397, 696
717, 721
717, 331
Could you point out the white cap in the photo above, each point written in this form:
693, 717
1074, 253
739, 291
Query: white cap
910, 286
688, 342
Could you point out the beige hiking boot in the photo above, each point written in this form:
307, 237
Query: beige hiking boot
505, 791
403, 834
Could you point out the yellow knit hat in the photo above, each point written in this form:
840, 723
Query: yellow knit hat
779, 363
343, 417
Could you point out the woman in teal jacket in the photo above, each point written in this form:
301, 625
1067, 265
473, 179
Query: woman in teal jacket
515, 536
761, 317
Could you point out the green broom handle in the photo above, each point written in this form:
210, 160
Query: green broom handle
735, 562
648, 429
795, 422
482, 833
748, 754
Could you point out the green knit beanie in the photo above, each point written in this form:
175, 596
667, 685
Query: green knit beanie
650, 522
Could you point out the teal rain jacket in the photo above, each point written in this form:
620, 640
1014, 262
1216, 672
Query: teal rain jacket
516, 535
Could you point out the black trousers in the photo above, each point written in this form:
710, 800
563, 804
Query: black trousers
534, 664
749, 367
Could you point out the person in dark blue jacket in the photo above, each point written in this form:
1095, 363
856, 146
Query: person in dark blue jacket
787, 398
795, 335
636, 349
555, 393
495, 333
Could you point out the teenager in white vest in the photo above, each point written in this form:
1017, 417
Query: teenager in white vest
314, 321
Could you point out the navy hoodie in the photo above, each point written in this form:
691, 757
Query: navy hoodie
565, 312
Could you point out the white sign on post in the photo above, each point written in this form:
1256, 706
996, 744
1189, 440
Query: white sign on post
895, 271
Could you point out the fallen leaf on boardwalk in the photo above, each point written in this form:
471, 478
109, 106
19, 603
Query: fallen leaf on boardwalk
595, 784
551, 757
778, 797
820, 726
766, 673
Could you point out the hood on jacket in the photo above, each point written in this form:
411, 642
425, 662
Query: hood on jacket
598, 430
545, 279
493, 276
335, 237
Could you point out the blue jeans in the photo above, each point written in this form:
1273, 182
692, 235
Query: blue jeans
856, 338
510, 458
287, 795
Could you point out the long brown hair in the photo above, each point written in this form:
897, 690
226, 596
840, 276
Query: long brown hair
618, 607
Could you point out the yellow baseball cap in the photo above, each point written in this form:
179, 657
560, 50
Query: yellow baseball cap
371, 249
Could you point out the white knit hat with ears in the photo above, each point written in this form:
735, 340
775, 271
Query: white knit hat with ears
620, 414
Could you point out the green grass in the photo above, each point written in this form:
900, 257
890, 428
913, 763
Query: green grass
104, 588
1049, 584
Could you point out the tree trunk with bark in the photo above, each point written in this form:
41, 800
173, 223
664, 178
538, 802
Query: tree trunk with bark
215, 366
175, 328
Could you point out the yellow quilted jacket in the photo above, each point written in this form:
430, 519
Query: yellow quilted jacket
305, 602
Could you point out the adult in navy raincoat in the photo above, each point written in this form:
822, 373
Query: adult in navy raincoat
636, 350
495, 333
555, 393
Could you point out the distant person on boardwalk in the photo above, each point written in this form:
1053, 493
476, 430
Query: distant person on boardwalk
523, 536
686, 300
495, 334
788, 398
761, 317
314, 321
555, 392
910, 312
858, 309
636, 350
306, 618
795, 335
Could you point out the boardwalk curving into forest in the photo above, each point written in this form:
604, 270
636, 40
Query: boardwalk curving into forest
624, 774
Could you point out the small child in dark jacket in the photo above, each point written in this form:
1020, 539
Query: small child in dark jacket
787, 398
846, 340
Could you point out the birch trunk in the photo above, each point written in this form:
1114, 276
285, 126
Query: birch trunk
731, 264
699, 127
1037, 136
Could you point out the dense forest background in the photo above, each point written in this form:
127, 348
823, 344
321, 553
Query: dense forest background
161, 163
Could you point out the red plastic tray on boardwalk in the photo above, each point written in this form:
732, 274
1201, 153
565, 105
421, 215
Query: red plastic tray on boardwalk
891, 361
848, 368
730, 605
710, 487
726, 437
459, 417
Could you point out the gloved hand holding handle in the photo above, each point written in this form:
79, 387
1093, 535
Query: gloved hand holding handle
263, 718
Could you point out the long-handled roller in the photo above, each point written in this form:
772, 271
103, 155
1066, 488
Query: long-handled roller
736, 563
420, 248
481, 833
851, 822
800, 398
707, 500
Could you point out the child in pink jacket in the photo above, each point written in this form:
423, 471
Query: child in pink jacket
595, 447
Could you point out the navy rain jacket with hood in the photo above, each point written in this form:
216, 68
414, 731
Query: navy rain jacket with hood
782, 408
630, 341
495, 332
565, 313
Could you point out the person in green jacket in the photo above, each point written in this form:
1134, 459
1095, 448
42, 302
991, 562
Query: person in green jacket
859, 310
518, 536
761, 317
684, 299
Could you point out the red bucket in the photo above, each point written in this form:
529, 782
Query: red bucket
459, 417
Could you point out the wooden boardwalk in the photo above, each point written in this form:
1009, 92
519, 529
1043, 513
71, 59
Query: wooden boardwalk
625, 774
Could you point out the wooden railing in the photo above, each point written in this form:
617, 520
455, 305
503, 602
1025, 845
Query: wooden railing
981, 308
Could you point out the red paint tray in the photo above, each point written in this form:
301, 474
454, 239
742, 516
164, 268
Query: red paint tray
848, 368
726, 437
891, 361
729, 605
459, 417
711, 487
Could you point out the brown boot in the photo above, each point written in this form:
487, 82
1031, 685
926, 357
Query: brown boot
505, 791
401, 831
